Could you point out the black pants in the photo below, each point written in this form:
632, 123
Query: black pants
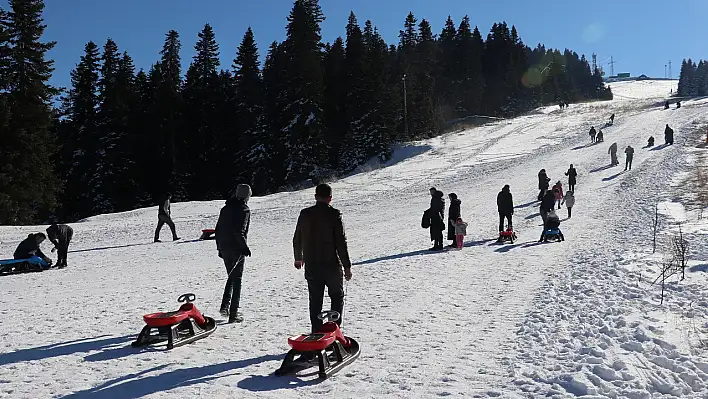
437, 236
234, 262
544, 215
569, 212
335, 290
571, 187
628, 163
501, 220
161, 221
63, 249
542, 193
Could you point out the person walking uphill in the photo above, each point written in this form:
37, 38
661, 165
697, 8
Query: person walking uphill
320, 244
572, 177
164, 217
232, 244
60, 235
629, 151
437, 217
542, 183
452, 214
505, 207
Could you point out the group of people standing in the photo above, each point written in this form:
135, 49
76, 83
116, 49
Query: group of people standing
434, 219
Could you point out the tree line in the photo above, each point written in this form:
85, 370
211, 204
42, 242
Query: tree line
312, 111
693, 80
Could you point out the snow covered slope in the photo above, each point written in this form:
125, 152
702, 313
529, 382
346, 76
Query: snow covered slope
522, 320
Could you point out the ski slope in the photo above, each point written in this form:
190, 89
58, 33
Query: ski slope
573, 319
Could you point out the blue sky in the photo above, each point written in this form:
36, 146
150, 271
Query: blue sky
642, 36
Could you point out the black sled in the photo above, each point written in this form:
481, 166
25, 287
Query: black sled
332, 350
553, 234
178, 328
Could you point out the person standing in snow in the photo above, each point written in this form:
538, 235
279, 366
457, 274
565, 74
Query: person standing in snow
460, 232
612, 119
164, 217
629, 151
613, 154
437, 217
232, 243
593, 132
60, 235
569, 201
29, 247
600, 136
320, 244
650, 142
558, 193
572, 177
505, 207
547, 205
668, 135
542, 183
452, 214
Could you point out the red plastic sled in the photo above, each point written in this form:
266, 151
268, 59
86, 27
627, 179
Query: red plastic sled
208, 234
177, 328
506, 236
333, 350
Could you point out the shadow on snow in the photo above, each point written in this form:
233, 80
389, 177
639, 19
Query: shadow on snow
62, 349
616, 175
110, 247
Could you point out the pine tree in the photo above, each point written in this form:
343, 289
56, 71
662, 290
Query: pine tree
5, 51
336, 122
425, 118
406, 53
305, 136
448, 65
28, 140
144, 125
701, 79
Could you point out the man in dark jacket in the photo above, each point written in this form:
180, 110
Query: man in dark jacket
593, 132
572, 177
60, 235
320, 244
437, 217
452, 215
232, 244
164, 217
629, 151
29, 247
668, 135
542, 183
505, 206
547, 205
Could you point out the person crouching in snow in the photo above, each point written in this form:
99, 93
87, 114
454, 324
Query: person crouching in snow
29, 247
558, 193
569, 201
460, 232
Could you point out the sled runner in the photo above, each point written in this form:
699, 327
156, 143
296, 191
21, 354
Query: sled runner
17, 266
208, 234
178, 328
329, 346
552, 235
506, 236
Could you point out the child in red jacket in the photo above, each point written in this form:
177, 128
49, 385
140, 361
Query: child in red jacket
558, 192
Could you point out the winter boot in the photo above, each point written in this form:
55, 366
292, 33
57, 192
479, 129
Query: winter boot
224, 311
237, 318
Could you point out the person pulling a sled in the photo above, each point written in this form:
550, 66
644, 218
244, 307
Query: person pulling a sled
613, 154
320, 245
164, 217
29, 247
437, 217
60, 235
542, 183
505, 207
232, 244
629, 151
668, 135
558, 193
453, 213
593, 133
572, 177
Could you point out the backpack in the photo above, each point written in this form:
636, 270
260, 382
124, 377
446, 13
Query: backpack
425, 223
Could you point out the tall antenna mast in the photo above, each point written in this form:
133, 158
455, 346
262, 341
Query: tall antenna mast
612, 66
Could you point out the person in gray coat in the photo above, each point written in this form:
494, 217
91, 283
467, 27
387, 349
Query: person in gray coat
164, 217
613, 154
232, 244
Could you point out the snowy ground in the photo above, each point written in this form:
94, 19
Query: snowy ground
524, 320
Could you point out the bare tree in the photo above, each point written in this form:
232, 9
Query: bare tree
668, 269
679, 248
655, 227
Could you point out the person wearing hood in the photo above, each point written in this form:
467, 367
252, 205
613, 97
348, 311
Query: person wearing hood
613, 154
232, 244
547, 204
437, 217
569, 201
668, 135
542, 183
558, 192
453, 213
164, 217
29, 247
60, 235
505, 207
572, 177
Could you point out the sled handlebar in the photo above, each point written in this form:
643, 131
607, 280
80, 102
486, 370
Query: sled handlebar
330, 315
187, 298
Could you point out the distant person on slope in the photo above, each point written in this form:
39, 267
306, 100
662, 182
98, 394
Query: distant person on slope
164, 217
650, 142
542, 183
558, 193
60, 235
505, 207
593, 133
572, 177
29, 247
668, 135
613, 154
600, 136
612, 119
569, 201
629, 151
320, 244
232, 244
547, 205
437, 217
452, 215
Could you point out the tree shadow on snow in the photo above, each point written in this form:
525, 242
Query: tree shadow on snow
110, 247
396, 256
699, 268
261, 383
61, 349
616, 175
135, 386
600, 169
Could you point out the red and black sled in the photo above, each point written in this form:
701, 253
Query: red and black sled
178, 328
208, 234
329, 346
506, 236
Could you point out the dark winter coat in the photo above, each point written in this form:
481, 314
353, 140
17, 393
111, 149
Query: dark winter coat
59, 233
164, 208
29, 248
572, 176
437, 214
593, 132
321, 242
549, 201
505, 202
552, 221
453, 214
669, 134
232, 227
543, 181
629, 151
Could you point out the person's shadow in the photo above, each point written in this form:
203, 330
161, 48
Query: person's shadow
660, 147
609, 178
62, 349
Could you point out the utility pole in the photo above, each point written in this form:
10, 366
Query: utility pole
670, 74
665, 74
405, 105
612, 66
